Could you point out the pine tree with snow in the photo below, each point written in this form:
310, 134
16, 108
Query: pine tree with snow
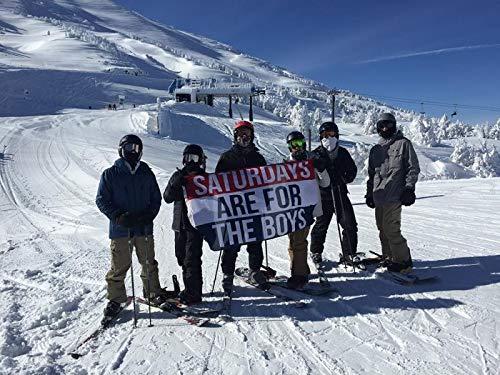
317, 118
299, 117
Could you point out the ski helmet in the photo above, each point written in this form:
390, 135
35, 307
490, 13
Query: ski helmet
328, 126
243, 124
388, 121
133, 140
294, 135
191, 152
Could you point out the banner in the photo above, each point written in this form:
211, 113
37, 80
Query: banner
253, 204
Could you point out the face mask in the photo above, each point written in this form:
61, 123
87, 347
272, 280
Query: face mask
299, 155
132, 158
329, 143
243, 140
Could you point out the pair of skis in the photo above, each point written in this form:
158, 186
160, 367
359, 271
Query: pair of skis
191, 315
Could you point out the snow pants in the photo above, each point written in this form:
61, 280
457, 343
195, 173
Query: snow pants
297, 251
394, 246
121, 259
346, 219
255, 258
188, 251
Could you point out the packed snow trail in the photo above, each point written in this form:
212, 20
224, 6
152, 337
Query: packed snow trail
54, 255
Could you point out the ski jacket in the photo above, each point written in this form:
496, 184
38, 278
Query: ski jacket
341, 169
392, 167
121, 190
175, 193
238, 157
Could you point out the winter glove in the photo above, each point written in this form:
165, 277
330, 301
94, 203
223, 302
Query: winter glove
126, 220
145, 217
177, 179
408, 197
369, 201
318, 162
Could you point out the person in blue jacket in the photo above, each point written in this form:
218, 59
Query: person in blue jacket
129, 196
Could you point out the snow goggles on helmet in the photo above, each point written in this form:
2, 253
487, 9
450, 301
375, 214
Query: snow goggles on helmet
297, 143
191, 158
131, 147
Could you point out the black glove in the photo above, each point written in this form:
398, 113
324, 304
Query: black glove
408, 197
177, 179
299, 155
127, 220
369, 200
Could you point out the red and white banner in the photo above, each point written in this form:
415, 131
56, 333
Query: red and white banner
252, 204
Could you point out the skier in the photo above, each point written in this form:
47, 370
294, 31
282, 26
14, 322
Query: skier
129, 196
188, 241
297, 245
243, 154
392, 174
342, 170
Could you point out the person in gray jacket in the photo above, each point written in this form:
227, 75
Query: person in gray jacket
392, 174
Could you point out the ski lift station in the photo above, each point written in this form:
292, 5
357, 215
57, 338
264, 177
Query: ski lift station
205, 90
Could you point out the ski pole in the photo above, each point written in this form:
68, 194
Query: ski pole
216, 271
148, 276
267, 258
131, 250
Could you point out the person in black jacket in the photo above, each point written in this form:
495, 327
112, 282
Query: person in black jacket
188, 241
342, 170
243, 154
129, 196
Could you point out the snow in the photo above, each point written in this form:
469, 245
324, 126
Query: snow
54, 250
55, 254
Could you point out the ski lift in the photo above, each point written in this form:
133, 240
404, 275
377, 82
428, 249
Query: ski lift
454, 111
422, 112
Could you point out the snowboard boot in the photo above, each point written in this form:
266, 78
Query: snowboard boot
227, 284
258, 278
404, 267
188, 299
296, 282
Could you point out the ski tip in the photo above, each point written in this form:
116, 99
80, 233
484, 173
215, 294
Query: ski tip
75, 355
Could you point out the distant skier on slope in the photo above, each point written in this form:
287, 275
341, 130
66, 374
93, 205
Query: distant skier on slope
342, 170
297, 248
392, 174
129, 196
243, 154
188, 241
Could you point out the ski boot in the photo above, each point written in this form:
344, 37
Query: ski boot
258, 278
187, 298
227, 284
111, 310
317, 259
404, 267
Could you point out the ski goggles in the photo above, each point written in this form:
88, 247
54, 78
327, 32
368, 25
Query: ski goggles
385, 124
131, 147
191, 158
329, 134
297, 143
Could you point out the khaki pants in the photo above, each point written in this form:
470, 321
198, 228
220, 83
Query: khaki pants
394, 246
120, 263
297, 250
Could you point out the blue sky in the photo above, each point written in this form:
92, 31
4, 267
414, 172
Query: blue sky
441, 51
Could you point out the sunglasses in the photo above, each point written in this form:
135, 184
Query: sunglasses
297, 143
191, 158
131, 147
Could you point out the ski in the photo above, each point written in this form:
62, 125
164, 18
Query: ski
243, 273
173, 310
195, 310
76, 352
311, 288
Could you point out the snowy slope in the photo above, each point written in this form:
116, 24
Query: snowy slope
54, 255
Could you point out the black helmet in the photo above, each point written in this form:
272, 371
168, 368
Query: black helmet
193, 149
130, 139
389, 117
294, 135
328, 126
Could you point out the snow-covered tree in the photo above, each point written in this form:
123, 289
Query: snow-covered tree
317, 119
481, 159
421, 131
299, 117
370, 124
